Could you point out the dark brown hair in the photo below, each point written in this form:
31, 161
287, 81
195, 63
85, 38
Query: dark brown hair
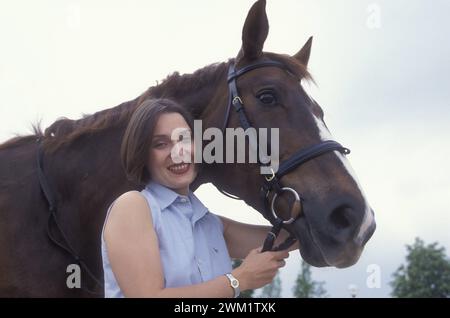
136, 142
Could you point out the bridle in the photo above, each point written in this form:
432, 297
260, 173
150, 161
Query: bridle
271, 181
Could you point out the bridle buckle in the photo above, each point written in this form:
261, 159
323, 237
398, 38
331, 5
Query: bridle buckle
270, 178
236, 100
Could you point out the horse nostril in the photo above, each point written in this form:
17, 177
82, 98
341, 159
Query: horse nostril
340, 217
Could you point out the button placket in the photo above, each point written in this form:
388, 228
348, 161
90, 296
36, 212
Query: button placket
199, 264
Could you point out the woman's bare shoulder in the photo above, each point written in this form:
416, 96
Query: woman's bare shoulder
131, 204
130, 197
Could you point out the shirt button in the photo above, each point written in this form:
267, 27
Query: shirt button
183, 199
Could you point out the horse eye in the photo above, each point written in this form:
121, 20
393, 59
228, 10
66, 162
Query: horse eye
267, 98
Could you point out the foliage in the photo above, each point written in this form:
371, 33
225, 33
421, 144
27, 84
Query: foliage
272, 290
305, 286
425, 274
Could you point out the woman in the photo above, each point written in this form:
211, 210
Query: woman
162, 241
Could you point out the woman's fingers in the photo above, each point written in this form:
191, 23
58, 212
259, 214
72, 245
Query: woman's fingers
281, 263
280, 255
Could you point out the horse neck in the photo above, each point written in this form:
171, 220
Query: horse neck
88, 151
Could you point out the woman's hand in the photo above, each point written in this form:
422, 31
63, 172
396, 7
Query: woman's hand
241, 238
259, 269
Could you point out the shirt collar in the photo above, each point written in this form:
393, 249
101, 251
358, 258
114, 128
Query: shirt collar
167, 196
164, 195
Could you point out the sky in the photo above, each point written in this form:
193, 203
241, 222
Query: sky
382, 70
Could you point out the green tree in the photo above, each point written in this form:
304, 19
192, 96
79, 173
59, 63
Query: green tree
247, 293
425, 274
272, 290
305, 286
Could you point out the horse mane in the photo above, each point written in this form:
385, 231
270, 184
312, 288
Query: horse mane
175, 86
65, 131
22, 140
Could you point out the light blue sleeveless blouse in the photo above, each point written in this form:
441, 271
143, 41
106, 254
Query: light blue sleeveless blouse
191, 242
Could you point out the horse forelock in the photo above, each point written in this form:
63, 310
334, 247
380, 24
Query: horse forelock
293, 65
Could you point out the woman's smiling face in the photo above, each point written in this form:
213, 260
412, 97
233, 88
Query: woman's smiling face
171, 161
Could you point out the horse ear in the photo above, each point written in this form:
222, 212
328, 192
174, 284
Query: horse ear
255, 31
303, 55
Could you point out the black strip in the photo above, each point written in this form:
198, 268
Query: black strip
307, 154
65, 245
235, 74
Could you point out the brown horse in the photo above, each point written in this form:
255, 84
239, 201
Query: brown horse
81, 163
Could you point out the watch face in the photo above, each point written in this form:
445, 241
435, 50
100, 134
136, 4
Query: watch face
235, 283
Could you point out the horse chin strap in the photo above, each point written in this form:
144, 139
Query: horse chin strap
272, 181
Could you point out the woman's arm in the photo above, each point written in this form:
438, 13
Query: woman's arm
134, 255
241, 238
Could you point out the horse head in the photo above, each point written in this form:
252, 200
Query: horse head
335, 220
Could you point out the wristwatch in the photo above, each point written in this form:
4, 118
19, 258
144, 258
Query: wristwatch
234, 283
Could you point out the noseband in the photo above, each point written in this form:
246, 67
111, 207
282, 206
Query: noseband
271, 181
